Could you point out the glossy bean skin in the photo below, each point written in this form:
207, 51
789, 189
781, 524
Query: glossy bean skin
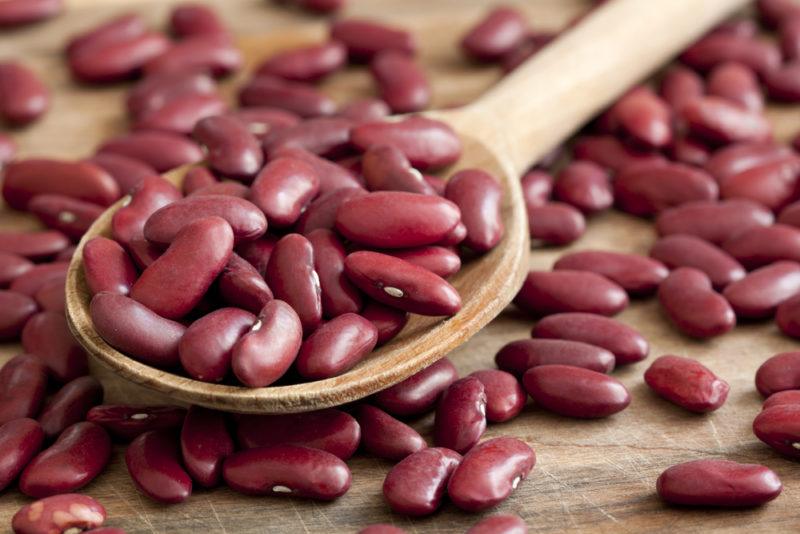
489, 473
134, 329
214, 53
283, 188
537, 185
586, 186
232, 150
687, 383
292, 278
644, 116
715, 222
261, 121
38, 245
638, 275
47, 336
646, 190
336, 346
15, 310
11, 266
690, 150
330, 430
119, 28
499, 524
21, 439
323, 136
365, 110
782, 398
289, 470
33, 280
772, 184
721, 121
23, 380
401, 284
198, 179
195, 19
575, 392
779, 373
779, 427
365, 38
505, 397
737, 83
386, 168
548, 292
117, 60
529, 47
720, 483
321, 212
71, 216
439, 260
690, 302
518, 356
331, 176
763, 245
678, 251
153, 92
479, 198
205, 443
299, 98
153, 461
79, 454
716, 48
415, 486
418, 393
107, 267
461, 415
181, 115
758, 294
264, 353
401, 82
59, 513
739, 157
206, 347
387, 320
163, 151
339, 296
556, 223
70, 405
127, 422
23, 96
385, 437
497, 34
241, 285
147, 197
306, 64
257, 252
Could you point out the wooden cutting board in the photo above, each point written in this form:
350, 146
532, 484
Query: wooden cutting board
596, 476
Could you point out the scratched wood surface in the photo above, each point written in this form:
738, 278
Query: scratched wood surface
591, 476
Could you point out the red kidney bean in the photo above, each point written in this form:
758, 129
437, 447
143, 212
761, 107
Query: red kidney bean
119, 28
15, 310
321, 212
71, 216
722, 483
518, 356
21, 439
70, 405
107, 267
779, 373
680, 85
387, 320
406, 219
687, 383
489, 473
556, 223
197, 179
779, 427
783, 84
495, 35
645, 116
721, 121
292, 278
693, 306
787, 317
23, 380
738, 83
336, 346
461, 415
765, 244
364, 39
299, 98
401, 284
575, 391
228, 188
365, 110
264, 353
585, 185
609, 152
715, 222
232, 149
479, 198
306, 64
418, 393
205, 443
455, 236
386, 437
143, 252
499, 524
505, 397
181, 115
241, 285
439, 260
15, 13
207, 346
283, 188
638, 275
23, 96
151, 194
47, 336
646, 190
680, 250
790, 215
782, 398
536, 188
549, 292
428, 144
188, 20
739, 157
134, 329
66, 254
415, 485
117, 60
758, 294
331, 176
154, 92
689, 150
161, 150
386, 168
214, 53
153, 461
30, 282
287, 469
126, 422
261, 121
772, 185
166, 287
257, 252
338, 294
715, 48
401, 82
51, 296
322, 136
80, 453
12, 266
59, 513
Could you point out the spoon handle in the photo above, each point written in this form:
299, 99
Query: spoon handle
551, 95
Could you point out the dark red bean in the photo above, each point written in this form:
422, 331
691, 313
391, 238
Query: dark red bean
479, 198
415, 485
365, 38
257, 252
495, 35
387, 320
283, 188
489, 473
783, 84
763, 245
771, 184
648, 189
681, 85
439, 260
336, 346
548, 292
331, 176
645, 116
241, 285
118, 28
151, 194
66, 254
739, 157
70, 405
107, 267
693, 306
758, 294
47, 336
33, 280
205, 443
187, 20
206, 347
687, 383
154, 92
575, 391
117, 60
609, 152
461, 415
59, 513
80, 453
505, 397
782, 398
638, 275
20, 439
264, 353
23, 380
715, 222
214, 53
386, 168
680, 250
232, 150
779, 427
134, 329
738, 83
418, 393
71, 216
300, 98
721, 121
499, 524
292, 278
689, 150
161, 150
12, 266
181, 115
234, 189
455, 236
126, 422
197, 179
715, 48
779, 373
386, 437
50, 297
518, 356
586, 186
261, 121
401, 82
23, 96
365, 110
339, 296
720, 483
323, 136
153, 461
306, 64
556, 223
536, 188
787, 317
15, 310
20, 12
143, 252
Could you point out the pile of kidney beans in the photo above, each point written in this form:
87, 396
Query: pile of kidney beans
332, 279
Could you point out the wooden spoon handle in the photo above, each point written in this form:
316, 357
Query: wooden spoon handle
560, 88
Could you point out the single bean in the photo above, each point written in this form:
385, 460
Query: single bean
771, 184
555, 223
648, 189
66, 254
738, 83
339, 296
415, 485
336, 346
23, 380
59, 513
721, 121
118, 60
779, 427
575, 391
151, 194
299, 98
11, 266
386, 168
23, 96
680, 250
261, 121
758, 294
331, 176
715, 222
365, 110
215, 54
584, 185
790, 215
68, 215
548, 292
783, 84
489, 473
439, 260
107, 267
716, 48
292, 278
207, 346
188, 20
232, 150
198, 178
687, 383
323, 136
782, 398
721, 483
257, 252
153, 461
153, 92
645, 116
364, 38
283, 188
690, 150
127, 422
307, 63
420, 392
121, 28
33, 280
690, 302
638, 275
739, 157
241, 285
779, 373
20, 439
205, 443
387, 320
495, 35
386, 437
611, 153
505, 397
518, 356
70, 405
479, 198
163, 151
499, 524
680, 85
15, 310
47, 336
765, 244
537, 186
461, 415
401, 82
181, 115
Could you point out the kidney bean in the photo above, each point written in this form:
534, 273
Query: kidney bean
722, 483
364, 38
645, 190
292, 278
386, 437
575, 391
479, 197
331, 176
126, 422
31, 281
739, 157
518, 356
23, 96
161, 150
23, 380
11, 266
416, 484
117, 60
401, 82
181, 114
299, 98
307, 63
59, 513
779, 427
121, 28
386, 168
154, 92
779, 373
783, 84
439, 260
738, 83
321, 212
787, 317
645, 116
689, 150
214, 53
716, 48
721, 121
15, 310
715, 222
759, 293
387, 320
264, 353
71, 216
418, 393
763, 245
153, 461
66, 254
609, 152
15, 13
338, 294
80, 453
47, 336
455, 236
499, 524
585, 185
197, 179
336, 346
772, 184
51, 297
505, 397
107, 267
70, 405
536, 188
257, 252
546, 293
241, 285
638, 275
680, 85
365, 110
205, 443
680, 250
495, 35
232, 149
189, 20
692, 305
134, 329
687, 383
489, 473
261, 121
283, 188
782, 398
555, 223
21, 439
206, 348
151, 194
461, 415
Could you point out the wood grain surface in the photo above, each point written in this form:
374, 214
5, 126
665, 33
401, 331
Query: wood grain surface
591, 476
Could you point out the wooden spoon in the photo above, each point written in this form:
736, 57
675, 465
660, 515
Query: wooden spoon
504, 131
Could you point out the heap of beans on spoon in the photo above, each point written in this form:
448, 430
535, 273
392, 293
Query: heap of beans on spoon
278, 229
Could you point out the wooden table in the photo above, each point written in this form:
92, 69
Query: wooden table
594, 476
